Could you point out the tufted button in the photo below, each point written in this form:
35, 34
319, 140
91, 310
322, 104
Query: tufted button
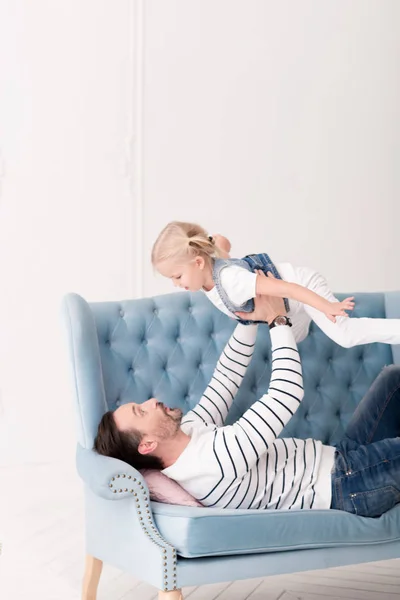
178, 340
108, 343
155, 312
254, 389
118, 403
121, 313
306, 416
130, 370
190, 309
318, 388
187, 398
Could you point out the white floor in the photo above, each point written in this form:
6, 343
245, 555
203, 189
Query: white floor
41, 526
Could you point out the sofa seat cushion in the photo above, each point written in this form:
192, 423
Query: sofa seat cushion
196, 532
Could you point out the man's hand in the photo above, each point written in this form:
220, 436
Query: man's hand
267, 308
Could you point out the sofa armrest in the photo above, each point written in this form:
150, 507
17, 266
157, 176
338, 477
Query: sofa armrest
132, 540
86, 374
109, 478
392, 304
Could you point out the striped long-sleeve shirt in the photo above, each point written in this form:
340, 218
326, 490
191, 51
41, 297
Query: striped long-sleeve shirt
246, 465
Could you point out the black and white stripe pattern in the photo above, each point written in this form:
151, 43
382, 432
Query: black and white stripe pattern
227, 377
246, 465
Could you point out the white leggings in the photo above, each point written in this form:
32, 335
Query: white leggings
346, 332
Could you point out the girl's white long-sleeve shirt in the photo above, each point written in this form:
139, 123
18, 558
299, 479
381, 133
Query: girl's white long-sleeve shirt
240, 286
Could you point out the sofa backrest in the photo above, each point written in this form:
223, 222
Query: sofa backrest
167, 347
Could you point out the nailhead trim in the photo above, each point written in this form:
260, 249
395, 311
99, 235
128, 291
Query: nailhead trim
168, 552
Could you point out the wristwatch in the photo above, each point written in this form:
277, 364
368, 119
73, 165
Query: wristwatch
280, 321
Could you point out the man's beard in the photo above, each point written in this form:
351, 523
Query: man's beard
171, 424
175, 414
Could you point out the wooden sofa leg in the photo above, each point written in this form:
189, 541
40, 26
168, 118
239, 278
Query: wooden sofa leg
174, 595
93, 568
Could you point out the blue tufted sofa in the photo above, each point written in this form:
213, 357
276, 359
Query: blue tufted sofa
167, 347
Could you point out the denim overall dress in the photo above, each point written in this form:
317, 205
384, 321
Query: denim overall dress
252, 262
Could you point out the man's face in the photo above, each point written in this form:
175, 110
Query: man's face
155, 421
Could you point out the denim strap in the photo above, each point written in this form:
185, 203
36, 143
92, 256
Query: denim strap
251, 263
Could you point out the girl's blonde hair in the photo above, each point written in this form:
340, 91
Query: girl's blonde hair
183, 241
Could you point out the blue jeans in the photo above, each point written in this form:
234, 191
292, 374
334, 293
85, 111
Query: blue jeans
366, 472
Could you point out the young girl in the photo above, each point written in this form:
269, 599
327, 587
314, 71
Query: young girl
194, 261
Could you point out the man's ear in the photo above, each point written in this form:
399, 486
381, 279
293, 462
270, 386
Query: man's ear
147, 446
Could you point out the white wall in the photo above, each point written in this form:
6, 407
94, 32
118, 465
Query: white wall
273, 122
67, 102
278, 124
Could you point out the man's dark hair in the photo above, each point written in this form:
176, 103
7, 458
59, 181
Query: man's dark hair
123, 445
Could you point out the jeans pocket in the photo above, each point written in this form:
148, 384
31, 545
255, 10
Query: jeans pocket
340, 464
374, 503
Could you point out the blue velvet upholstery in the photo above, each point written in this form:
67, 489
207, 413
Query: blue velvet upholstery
167, 347
196, 532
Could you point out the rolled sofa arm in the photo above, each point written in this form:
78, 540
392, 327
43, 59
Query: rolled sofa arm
109, 478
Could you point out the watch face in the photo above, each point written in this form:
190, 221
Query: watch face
280, 320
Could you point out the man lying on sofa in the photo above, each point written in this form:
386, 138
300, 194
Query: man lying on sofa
246, 465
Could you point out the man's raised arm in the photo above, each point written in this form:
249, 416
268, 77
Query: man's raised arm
227, 377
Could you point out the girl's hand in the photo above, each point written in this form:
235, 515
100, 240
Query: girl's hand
222, 243
338, 309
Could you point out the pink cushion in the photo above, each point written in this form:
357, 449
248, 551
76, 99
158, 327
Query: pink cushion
164, 489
